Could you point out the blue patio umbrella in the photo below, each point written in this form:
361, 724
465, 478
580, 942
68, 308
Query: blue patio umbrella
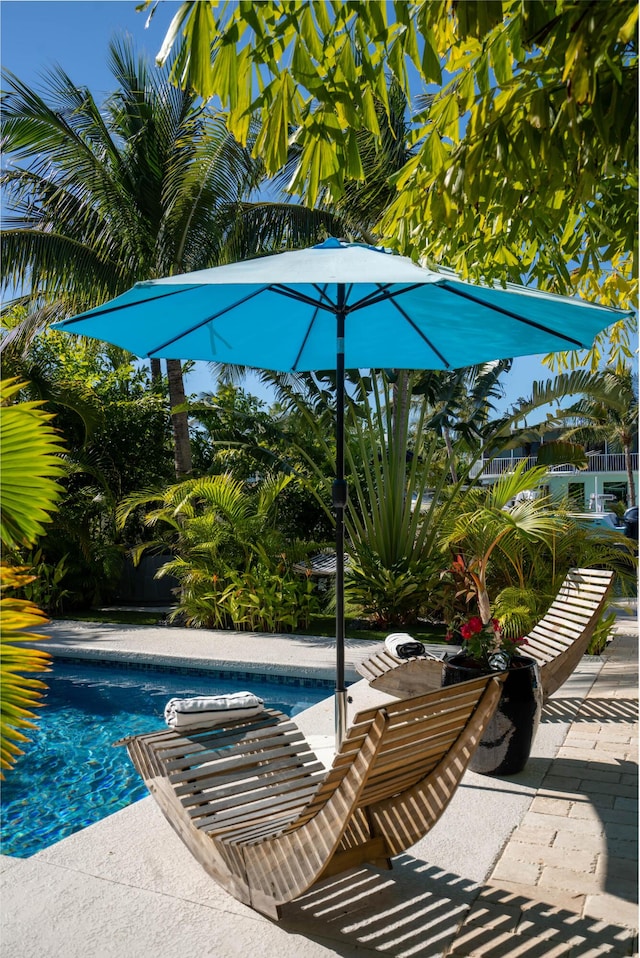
338, 305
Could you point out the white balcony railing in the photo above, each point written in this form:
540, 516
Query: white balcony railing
611, 462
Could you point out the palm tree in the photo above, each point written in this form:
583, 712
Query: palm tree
461, 401
612, 420
484, 525
97, 199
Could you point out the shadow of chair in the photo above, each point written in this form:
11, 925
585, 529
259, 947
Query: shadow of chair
422, 911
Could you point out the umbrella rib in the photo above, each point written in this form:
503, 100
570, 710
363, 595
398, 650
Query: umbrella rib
391, 297
91, 314
209, 319
322, 292
303, 298
507, 312
380, 294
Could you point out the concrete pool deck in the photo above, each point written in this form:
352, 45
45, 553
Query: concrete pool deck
543, 863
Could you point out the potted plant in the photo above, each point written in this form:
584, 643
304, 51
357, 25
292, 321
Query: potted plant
506, 744
489, 526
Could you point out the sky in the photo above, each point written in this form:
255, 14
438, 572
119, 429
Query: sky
36, 34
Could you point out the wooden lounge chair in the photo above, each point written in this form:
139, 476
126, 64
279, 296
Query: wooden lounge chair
562, 635
258, 811
557, 642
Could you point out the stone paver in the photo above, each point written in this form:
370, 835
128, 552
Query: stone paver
538, 865
576, 850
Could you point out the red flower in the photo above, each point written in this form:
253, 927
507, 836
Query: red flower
466, 631
496, 625
475, 624
448, 636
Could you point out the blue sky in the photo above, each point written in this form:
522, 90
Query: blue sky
35, 34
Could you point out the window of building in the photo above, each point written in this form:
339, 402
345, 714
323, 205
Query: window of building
617, 489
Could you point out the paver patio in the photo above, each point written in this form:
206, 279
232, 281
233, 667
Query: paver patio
540, 864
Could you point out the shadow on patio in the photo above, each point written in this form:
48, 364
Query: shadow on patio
592, 709
423, 911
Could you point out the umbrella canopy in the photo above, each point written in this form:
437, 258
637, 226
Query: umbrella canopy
333, 306
279, 313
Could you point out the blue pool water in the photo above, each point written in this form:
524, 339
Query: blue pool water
71, 776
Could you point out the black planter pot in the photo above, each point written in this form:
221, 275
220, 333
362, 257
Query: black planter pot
506, 743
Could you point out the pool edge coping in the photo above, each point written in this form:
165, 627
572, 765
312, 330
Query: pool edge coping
188, 664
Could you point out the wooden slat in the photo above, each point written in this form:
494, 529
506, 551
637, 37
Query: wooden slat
246, 789
276, 769
236, 764
215, 742
252, 811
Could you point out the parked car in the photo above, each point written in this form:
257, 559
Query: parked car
630, 521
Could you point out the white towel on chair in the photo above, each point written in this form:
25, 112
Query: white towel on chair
403, 646
212, 710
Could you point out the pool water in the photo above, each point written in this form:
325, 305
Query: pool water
71, 776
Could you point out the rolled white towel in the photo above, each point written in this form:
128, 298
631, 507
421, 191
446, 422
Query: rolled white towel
212, 710
403, 646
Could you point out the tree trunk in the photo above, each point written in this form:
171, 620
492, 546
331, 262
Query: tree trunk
179, 420
630, 479
401, 401
156, 373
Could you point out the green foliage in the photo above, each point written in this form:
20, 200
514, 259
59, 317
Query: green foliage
232, 562
46, 589
31, 462
20, 694
391, 535
602, 633
395, 454
116, 432
518, 610
387, 596
265, 599
488, 525
524, 137
240, 436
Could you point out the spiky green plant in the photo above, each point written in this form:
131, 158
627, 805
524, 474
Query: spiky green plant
31, 463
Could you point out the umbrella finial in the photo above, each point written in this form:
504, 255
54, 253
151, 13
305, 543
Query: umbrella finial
331, 242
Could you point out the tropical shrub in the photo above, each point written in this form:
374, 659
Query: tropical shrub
400, 491
511, 559
45, 588
267, 600
489, 526
602, 632
115, 428
233, 564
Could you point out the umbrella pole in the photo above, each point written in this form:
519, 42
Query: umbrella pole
339, 496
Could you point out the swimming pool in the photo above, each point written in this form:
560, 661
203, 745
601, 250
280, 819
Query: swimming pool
70, 775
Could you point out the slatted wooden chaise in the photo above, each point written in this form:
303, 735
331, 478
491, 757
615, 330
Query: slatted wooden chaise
258, 811
557, 642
